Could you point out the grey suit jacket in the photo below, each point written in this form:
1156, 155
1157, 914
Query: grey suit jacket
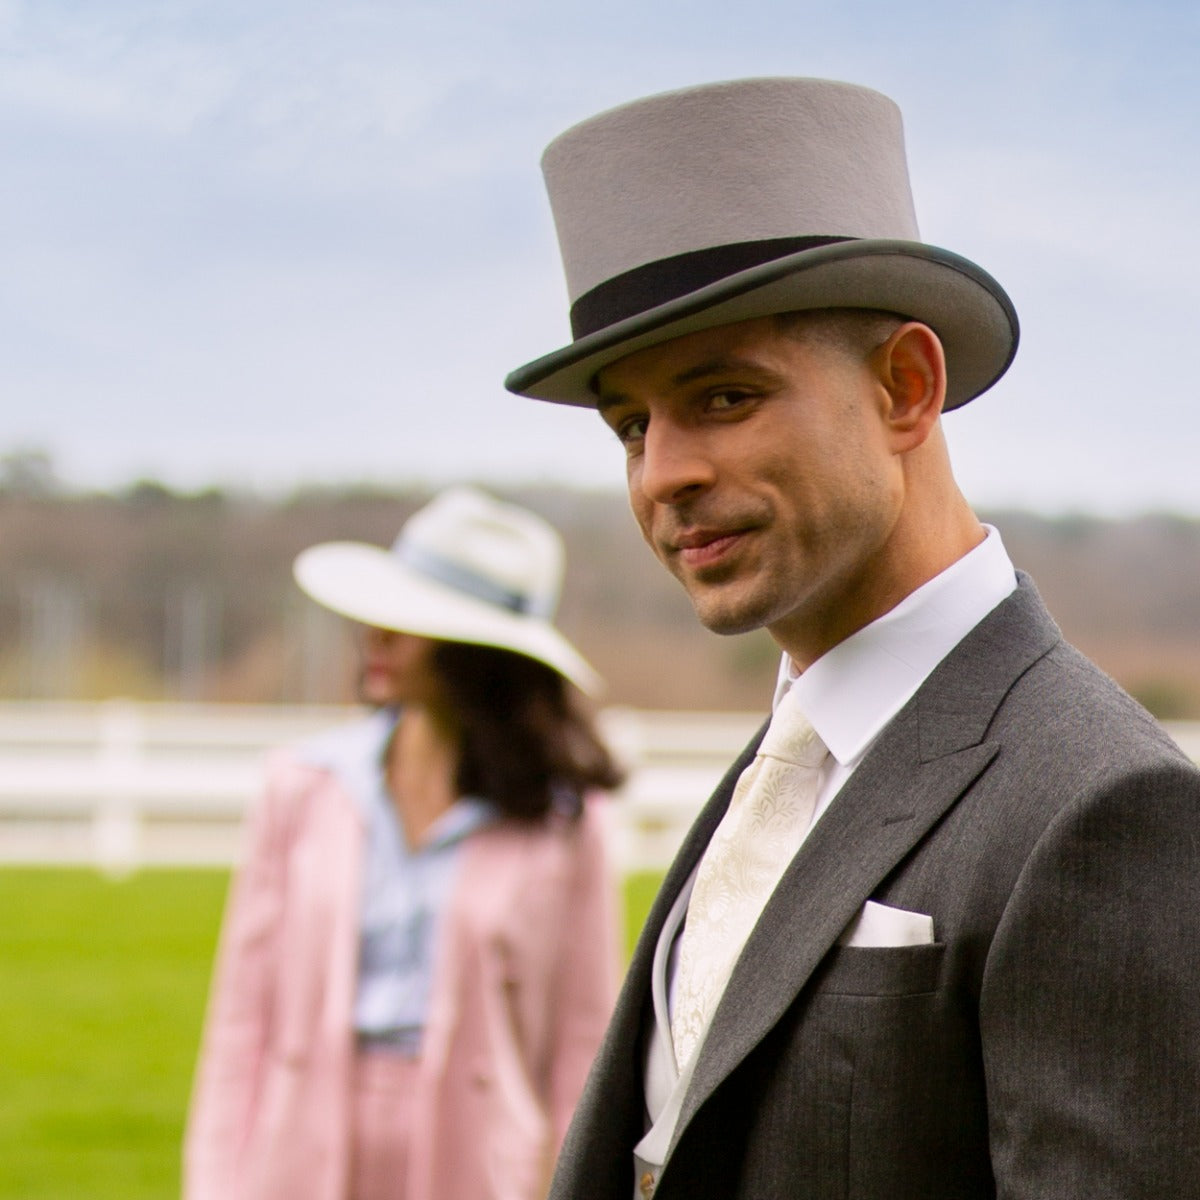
1047, 1045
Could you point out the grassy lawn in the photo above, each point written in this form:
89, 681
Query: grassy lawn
640, 889
102, 989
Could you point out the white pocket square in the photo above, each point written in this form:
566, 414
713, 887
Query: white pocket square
879, 925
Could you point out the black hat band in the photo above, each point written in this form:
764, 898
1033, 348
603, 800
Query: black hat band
646, 287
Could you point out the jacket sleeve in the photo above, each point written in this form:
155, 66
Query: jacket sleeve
237, 1027
1089, 1017
588, 969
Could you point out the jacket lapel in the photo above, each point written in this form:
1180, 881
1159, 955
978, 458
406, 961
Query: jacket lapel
924, 761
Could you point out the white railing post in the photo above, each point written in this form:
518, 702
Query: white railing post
116, 828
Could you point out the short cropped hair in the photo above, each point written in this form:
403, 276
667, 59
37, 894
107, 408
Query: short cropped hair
857, 331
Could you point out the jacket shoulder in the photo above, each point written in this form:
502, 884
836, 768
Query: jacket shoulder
1088, 716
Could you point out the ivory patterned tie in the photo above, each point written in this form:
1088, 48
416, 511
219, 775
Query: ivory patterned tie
767, 818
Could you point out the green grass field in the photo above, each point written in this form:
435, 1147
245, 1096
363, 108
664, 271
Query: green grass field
102, 989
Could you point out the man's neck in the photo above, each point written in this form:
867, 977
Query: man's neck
904, 564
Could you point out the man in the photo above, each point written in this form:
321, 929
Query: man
938, 937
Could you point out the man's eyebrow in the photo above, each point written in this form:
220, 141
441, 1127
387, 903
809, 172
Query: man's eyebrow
608, 401
702, 370
719, 366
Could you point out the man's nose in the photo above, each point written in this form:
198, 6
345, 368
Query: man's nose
675, 463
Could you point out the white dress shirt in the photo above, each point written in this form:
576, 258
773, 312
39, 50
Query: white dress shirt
853, 691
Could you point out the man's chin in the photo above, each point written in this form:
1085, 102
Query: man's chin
721, 615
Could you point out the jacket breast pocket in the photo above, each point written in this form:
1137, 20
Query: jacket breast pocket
880, 970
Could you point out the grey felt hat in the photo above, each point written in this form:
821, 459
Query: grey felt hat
736, 200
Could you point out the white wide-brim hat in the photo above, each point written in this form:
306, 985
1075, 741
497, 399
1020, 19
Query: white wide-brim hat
737, 200
465, 568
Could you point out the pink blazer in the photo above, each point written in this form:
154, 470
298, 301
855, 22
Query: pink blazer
523, 987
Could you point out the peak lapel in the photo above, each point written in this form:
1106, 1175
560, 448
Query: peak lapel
881, 814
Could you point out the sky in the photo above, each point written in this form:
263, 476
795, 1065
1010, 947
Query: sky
263, 243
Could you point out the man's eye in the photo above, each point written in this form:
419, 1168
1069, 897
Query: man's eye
632, 430
720, 401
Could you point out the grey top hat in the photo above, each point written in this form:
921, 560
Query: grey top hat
736, 200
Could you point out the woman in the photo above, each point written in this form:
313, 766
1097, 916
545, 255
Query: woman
418, 957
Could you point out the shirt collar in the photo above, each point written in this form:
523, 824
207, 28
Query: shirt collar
852, 691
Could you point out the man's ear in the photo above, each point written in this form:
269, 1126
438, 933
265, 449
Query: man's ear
911, 366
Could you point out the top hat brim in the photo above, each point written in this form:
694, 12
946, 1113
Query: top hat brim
968, 310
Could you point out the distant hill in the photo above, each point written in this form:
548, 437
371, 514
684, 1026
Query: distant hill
157, 594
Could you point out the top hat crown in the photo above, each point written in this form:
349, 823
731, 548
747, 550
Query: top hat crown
737, 200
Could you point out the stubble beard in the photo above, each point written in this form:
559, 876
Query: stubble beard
722, 611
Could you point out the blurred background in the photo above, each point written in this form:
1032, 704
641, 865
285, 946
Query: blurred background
264, 268
155, 594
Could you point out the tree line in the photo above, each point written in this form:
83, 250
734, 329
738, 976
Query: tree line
161, 594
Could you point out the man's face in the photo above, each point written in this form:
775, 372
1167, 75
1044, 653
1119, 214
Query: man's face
760, 474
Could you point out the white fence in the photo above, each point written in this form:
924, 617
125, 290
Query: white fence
120, 785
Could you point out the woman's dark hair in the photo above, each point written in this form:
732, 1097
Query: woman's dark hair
527, 745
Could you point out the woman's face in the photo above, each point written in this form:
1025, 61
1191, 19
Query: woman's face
395, 668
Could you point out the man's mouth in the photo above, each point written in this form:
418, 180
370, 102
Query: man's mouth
705, 547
